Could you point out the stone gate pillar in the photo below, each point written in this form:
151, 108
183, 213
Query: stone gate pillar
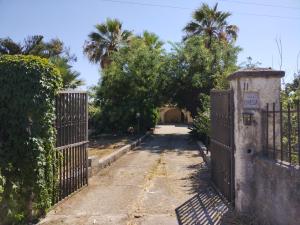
253, 89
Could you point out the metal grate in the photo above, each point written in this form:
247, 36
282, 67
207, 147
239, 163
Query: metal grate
71, 142
222, 142
282, 132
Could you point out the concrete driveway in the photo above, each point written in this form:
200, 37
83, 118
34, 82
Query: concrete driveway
156, 184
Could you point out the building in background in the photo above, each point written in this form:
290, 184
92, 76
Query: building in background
172, 114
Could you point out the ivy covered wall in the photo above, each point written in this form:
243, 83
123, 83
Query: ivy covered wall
28, 85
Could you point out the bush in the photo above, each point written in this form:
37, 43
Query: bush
201, 127
130, 87
28, 85
118, 118
201, 124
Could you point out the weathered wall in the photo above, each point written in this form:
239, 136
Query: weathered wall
173, 116
276, 199
248, 139
263, 188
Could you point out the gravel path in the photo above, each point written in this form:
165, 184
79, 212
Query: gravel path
156, 183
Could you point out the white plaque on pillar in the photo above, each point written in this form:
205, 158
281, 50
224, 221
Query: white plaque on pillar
251, 100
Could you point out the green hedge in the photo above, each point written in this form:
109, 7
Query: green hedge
28, 85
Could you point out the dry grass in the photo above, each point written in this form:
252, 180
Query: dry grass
104, 145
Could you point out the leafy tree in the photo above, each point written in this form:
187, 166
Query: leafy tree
53, 50
151, 40
195, 69
211, 23
129, 86
107, 38
294, 86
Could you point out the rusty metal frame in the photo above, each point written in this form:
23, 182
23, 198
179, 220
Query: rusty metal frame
222, 142
71, 142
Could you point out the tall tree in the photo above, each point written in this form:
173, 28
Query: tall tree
54, 50
212, 23
107, 38
193, 70
151, 40
33, 45
129, 87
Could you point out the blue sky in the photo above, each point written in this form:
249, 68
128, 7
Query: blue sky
72, 20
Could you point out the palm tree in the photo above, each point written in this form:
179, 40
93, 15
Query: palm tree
151, 40
31, 43
70, 78
35, 45
107, 38
54, 50
211, 23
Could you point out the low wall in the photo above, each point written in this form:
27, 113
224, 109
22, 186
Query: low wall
277, 193
95, 164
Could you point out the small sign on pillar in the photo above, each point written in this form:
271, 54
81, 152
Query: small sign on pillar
251, 100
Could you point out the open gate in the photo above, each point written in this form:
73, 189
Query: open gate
222, 142
71, 142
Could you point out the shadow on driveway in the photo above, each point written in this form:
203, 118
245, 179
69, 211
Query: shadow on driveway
206, 207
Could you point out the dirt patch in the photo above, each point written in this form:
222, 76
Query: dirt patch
104, 145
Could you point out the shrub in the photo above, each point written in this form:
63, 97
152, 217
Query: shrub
28, 85
130, 87
201, 123
201, 126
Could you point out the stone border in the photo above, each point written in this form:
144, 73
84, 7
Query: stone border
95, 164
204, 153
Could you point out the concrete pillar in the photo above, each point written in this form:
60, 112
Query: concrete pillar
253, 89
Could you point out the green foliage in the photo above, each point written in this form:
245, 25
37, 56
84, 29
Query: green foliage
69, 76
28, 85
130, 85
151, 40
211, 23
201, 124
54, 50
34, 45
108, 38
203, 62
94, 116
195, 69
293, 88
290, 96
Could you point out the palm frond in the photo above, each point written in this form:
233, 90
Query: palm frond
212, 23
107, 38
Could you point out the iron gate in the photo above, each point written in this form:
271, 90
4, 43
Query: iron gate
71, 142
222, 142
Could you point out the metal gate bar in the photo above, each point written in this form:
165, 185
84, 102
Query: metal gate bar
222, 142
71, 142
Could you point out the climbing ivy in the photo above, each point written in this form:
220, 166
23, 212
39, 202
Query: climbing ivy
28, 85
